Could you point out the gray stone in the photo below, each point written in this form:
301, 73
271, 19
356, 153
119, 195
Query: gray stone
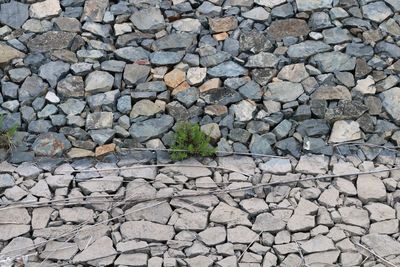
336, 35
9, 231
370, 188
39, 126
318, 244
300, 223
166, 58
228, 215
213, 236
261, 144
266, 222
227, 69
187, 25
17, 246
381, 244
6, 181
284, 91
276, 166
148, 20
188, 97
109, 184
388, 48
390, 98
158, 213
293, 73
194, 221
199, 261
52, 71
101, 30
309, 5
99, 120
380, 212
15, 216
77, 215
257, 14
175, 41
71, 86
262, 60
73, 106
134, 74
354, 216
333, 61
307, 49
51, 40
376, 11
14, 14
314, 164
94, 10
244, 110
143, 131
319, 20
314, 127
254, 41
132, 54
45, 9
98, 82
137, 259
156, 86
344, 131
32, 88
101, 252
56, 250
147, 231
241, 234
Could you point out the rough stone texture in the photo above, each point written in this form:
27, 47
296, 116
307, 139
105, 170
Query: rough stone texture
298, 97
7, 53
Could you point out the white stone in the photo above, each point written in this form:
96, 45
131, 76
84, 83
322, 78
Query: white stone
344, 131
45, 9
196, 75
244, 110
366, 86
52, 97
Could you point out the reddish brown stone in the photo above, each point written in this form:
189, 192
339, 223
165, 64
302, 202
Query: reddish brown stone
288, 27
223, 24
104, 149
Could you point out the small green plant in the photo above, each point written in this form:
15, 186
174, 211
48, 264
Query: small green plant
189, 140
6, 135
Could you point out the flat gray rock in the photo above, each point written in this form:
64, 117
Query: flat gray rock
14, 14
309, 5
307, 49
284, 91
98, 82
147, 231
382, 244
227, 69
151, 128
334, 61
390, 100
149, 19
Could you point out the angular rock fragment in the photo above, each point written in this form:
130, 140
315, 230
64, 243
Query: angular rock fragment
290, 27
151, 128
14, 14
147, 231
